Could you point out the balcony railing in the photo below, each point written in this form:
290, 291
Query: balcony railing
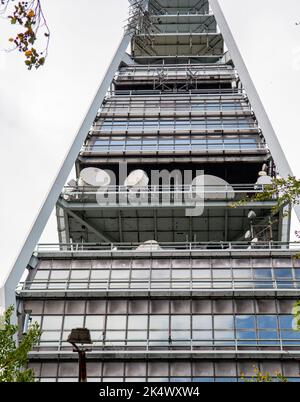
209, 148
120, 345
135, 285
163, 196
167, 248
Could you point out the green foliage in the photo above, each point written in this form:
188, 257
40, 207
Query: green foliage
284, 191
296, 314
13, 358
259, 376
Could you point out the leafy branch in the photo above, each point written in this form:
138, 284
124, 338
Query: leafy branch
284, 191
13, 358
259, 376
29, 16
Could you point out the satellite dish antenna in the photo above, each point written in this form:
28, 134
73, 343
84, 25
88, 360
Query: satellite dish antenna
137, 178
94, 177
248, 235
255, 240
211, 188
264, 179
149, 245
251, 215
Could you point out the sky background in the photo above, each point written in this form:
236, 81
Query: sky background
40, 111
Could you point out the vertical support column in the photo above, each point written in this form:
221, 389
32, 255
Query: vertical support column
285, 224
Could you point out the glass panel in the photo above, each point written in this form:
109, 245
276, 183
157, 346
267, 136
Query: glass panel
267, 321
223, 322
94, 322
52, 322
202, 322
245, 321
73, 321
137, 322
116, 322
180, 322
159, 322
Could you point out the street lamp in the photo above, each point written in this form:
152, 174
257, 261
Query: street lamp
80, 338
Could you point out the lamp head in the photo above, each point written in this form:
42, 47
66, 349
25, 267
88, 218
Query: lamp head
80, 336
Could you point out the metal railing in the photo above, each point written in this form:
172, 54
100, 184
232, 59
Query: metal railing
171, 247
160, 284
207, 148
120, 345
199, 127
135, 111
121, 94
166, 195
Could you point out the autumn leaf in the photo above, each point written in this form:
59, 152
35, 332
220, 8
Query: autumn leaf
31, 14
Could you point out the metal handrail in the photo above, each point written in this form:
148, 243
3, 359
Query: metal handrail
170, 344
220, 189
172, 246
165, 195
163, 284
232, 147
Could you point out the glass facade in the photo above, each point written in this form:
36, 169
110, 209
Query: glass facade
178, 143
169, 324
166, 273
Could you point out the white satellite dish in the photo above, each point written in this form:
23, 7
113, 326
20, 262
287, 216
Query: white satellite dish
266, 180
262, 173
211, 188
149, 245
251, 215
137, 178
248, 235
94, 177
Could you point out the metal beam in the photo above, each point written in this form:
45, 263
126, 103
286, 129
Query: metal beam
285, 224
128, 60
84, 206
8, 291
97, 232
256, 103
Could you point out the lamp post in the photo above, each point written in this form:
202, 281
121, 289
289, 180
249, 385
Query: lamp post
79, 339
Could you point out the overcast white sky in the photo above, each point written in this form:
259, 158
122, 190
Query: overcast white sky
40, 111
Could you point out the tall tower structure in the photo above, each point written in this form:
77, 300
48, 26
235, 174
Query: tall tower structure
173, 282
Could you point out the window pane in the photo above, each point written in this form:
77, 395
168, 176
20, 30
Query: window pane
223, 322
137, 322
245, 321
202, 322
159, 322
116, 322
180, 322
94, 322
52, 322
266, 321
73, 321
